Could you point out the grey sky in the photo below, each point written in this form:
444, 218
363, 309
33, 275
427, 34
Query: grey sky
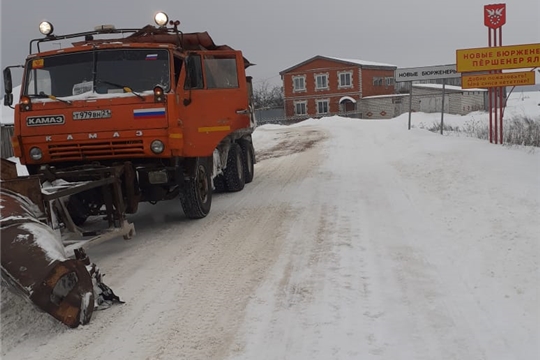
278, 34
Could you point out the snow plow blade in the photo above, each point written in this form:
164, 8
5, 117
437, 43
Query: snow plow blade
34, 261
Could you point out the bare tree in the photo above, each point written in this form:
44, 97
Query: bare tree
266, 96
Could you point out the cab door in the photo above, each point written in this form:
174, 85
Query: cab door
215, 100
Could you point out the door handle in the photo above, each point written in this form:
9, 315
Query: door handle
242, 112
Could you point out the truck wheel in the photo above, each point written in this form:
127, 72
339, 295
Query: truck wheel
219, 184
78, 210
83, 205
248, 153
196, 194
234, 172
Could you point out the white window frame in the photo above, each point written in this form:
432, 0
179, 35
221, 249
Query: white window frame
321, 101
303, 77
301, 102
326, 75
389, 81
348, 72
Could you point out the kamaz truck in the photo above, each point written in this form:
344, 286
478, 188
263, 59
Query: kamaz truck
171, 109
117, 117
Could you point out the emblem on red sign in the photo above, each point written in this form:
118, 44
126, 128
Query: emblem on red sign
494, 15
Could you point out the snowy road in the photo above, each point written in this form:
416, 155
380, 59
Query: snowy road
356, 240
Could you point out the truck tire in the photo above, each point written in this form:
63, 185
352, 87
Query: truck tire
219, 184
234, 172
78, 210
196, 193
83, 205
248, 153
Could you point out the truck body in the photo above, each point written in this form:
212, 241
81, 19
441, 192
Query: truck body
173, 109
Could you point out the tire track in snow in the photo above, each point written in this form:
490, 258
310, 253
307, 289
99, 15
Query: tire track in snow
186, 283
375, 256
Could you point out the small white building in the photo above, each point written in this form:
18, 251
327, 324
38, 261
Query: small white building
428, 98
383, 106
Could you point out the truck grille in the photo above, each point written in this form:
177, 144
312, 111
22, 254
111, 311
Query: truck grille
97, 150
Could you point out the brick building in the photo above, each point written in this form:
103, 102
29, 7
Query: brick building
326, 85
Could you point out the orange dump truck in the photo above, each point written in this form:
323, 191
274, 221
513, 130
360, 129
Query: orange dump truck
167, 113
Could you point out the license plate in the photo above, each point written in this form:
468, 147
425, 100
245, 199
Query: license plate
91, 114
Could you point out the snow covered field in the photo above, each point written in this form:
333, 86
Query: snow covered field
357, 239
519, 105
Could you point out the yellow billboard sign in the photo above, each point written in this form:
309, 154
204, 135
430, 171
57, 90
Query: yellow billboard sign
497, 80
498, 58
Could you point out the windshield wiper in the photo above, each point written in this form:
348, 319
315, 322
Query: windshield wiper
42, 95
125, 88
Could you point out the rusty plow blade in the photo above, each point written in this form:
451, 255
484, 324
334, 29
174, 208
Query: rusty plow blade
35, 266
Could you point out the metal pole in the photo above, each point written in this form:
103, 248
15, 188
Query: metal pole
442, 107
495, 98
501, 96
495, 115
410, 104
490, 101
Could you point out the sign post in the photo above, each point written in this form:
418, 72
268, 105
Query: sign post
410, 104
442, 107
494, 19
493, 60
426, 73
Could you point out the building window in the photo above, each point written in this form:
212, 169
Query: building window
377, 81
299, 83
345, 79
322, 106
321, 81
300, 108
389, 81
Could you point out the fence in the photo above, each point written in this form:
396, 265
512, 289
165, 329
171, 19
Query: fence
6, 151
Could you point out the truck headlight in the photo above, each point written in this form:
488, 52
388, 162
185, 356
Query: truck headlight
36, 154
157, 146
161, 18
46, 28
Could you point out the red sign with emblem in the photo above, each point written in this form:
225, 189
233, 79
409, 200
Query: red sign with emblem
494, 15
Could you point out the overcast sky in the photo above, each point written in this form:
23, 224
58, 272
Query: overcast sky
278, 34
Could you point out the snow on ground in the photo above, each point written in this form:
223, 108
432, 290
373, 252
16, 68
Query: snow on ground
520, 105
357, 239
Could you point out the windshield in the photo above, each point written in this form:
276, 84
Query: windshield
67, 75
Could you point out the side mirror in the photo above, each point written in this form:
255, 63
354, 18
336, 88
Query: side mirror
8, 99
8, 83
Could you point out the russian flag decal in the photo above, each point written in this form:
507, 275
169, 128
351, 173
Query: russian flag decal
151, 57
149, 113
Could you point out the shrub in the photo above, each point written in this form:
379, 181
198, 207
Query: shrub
518, 130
